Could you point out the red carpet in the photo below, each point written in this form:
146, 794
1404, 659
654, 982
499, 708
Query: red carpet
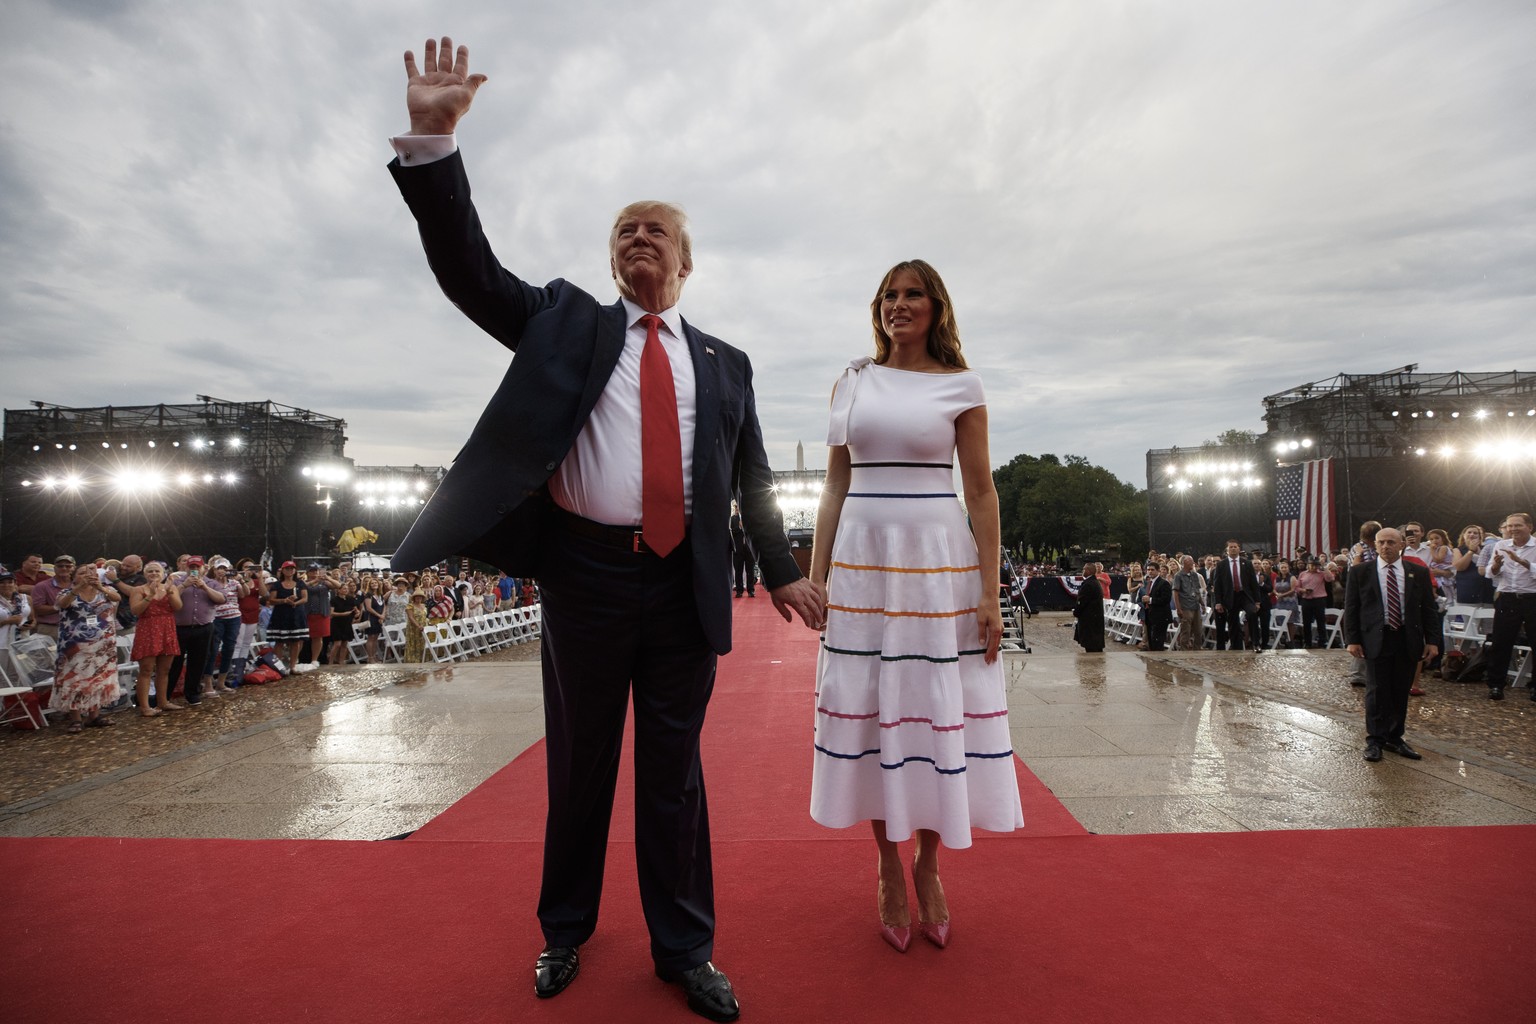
1251, 927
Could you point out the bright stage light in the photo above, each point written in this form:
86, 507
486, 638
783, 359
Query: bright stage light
207, 478
71, 447
230, 478
49, 482
72, 481
1447, 450
151, 444
1481, 414
1455, 415
197, 442
235, 442
185, 479
26, 483
1430, 414
1395, 414
1306, 442
307, 471
106, 444
1419, 451
37, 447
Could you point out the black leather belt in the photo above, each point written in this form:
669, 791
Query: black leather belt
626, 538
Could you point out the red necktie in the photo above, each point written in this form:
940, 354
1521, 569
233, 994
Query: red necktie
661, 459
1394, 601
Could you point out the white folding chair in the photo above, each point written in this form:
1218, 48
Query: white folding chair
1333, 619
392, 643
1279, 626
15, 687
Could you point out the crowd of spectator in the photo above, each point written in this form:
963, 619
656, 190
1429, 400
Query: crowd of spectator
1304, 583
192, 625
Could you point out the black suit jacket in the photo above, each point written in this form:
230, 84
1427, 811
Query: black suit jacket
494, 503
1365, 611
1222, 590
1161, 593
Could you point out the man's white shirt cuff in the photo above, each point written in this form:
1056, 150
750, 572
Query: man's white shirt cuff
414, 150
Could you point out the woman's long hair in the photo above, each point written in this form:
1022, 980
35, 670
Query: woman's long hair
943, 335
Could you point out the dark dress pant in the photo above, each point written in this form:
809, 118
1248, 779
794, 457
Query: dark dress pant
1388, 677
1510, 612
744, 570
618, 623
194, 642
1241, 603
1314, 613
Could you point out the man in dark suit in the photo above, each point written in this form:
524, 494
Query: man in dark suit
1158, 607
604, 466
1235, 590
1392, 622
743, 558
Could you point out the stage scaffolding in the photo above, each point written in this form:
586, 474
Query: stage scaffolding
1444, 449
211, 475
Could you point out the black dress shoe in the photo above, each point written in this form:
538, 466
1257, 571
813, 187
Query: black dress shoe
1372, 752
1402, 749
556, 968
1495, 693
709, 991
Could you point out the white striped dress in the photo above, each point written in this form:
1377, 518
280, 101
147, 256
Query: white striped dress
911, 722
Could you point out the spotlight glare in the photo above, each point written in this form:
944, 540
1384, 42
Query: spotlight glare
1429, 414
49, 482
37, 447
1306, 442
185, 479
1395, 414
1455, 415
1413, 415
1418, 451
1447, 450
230, 478
59, 445
207, 478
307, 471
73, 480
235, 442
106, 444
26, 483
71, 447
123, 445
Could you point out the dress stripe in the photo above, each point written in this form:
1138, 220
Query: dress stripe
900, 615
897, 568
910, 465
876, 494
905, 761
901, 657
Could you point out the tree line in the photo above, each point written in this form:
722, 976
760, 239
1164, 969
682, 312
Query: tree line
1050, 505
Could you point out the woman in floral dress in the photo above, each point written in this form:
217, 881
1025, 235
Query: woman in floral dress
85, 676
415, 628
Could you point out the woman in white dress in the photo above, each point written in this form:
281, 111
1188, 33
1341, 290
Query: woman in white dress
911, 714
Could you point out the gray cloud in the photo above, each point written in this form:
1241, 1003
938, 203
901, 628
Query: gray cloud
1149, 216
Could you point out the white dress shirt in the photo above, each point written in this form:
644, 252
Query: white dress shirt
602, 478
1512, 577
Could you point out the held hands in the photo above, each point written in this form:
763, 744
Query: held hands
803, 598
437, 97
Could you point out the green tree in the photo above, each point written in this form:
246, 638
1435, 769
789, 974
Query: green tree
1234, 438
1049, 504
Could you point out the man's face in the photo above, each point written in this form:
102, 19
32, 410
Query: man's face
1413, 534
1233, 549
1519, 530
646, 256
33, 564
63, 570
1187, 563
1389, 544
131, 565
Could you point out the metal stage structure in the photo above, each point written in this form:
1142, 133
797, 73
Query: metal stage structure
239, 478
1445, 449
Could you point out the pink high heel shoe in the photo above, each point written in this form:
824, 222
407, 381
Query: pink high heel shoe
897, 936
936, 932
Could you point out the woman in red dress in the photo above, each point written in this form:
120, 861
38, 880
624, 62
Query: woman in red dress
154, 640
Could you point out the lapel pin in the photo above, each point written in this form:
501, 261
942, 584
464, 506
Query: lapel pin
709, 350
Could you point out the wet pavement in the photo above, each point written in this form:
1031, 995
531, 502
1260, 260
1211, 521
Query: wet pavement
1130, 742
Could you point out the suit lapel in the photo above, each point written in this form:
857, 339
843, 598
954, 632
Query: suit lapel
706, 391
606, 349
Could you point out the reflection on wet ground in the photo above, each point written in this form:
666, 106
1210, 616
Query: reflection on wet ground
1205, 741
1130, 742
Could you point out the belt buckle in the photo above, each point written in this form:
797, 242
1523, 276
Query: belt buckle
639, 544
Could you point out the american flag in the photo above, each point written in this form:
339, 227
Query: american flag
1304, 507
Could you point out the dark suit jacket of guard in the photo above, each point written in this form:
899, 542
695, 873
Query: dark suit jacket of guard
1365, 610
494, 503
1221, 582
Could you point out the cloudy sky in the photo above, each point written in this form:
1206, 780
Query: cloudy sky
1149, 214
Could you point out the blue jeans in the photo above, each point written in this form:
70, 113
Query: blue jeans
221, 650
